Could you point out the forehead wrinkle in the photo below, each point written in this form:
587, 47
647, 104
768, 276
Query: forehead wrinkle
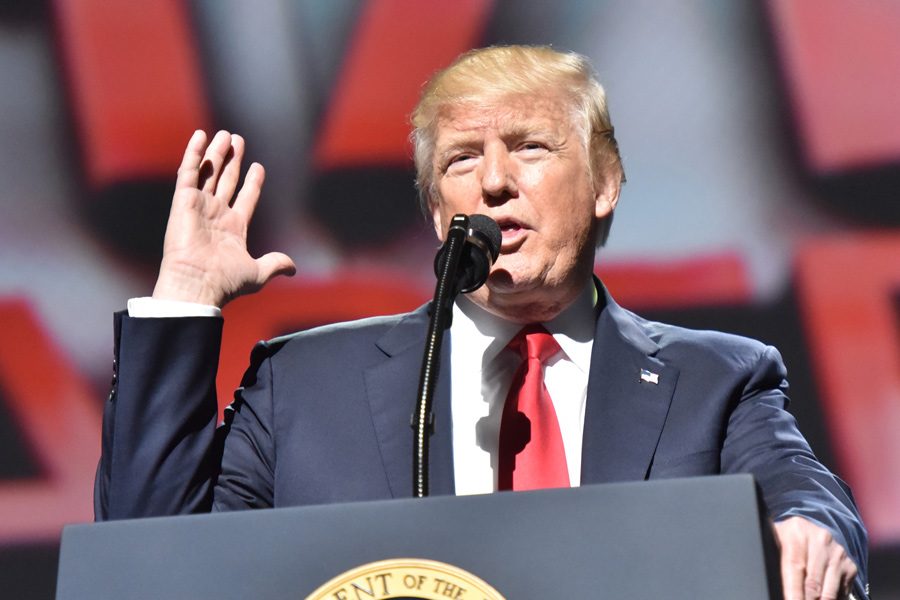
467, 131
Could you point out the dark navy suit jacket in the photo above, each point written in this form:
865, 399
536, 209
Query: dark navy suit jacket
323, 416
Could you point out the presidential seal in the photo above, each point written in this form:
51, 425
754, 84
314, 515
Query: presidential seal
410, 578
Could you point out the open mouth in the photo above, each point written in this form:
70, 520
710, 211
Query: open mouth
512, 231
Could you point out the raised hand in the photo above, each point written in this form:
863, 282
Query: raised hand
205, 258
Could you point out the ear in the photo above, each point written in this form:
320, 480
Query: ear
606, 196
436, 219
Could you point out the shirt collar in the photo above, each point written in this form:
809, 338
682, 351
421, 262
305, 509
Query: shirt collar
484, 334
573, 328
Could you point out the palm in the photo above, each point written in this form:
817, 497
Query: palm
205, 256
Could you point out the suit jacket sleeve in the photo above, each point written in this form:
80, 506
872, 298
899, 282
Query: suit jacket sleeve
160, 448
762, 438
162, 453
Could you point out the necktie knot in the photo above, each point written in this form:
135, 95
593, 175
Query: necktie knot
534, 342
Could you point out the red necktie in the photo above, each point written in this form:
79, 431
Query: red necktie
532, 455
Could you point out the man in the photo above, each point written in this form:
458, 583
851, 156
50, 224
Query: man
522, 135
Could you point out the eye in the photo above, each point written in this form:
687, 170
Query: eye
532, 146
459, 158
458, 161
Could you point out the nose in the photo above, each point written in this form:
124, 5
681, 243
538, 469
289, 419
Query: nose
498, 177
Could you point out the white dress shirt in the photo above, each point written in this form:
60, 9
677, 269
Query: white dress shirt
481, 372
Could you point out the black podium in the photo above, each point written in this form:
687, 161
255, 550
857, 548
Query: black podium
685, 538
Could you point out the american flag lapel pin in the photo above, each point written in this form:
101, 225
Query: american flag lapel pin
649, 377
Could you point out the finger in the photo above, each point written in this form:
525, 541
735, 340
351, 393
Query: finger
793, 568
248, 197
189, 169
817, 559
273, 264
211, 167
847, 572
833, 585
231, 171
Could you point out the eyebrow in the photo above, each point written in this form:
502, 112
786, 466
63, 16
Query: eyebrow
464, 143
466, 140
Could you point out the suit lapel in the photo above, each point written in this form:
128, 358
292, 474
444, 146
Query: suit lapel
625, 412
392, 388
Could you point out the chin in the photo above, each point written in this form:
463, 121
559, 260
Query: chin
507, 282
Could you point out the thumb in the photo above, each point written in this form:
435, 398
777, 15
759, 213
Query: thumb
273, 264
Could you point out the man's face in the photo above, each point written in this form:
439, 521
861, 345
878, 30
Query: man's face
523, 162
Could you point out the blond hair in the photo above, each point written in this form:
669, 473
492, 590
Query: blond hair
500, 71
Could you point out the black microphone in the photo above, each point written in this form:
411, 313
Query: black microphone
481, 246
462, 265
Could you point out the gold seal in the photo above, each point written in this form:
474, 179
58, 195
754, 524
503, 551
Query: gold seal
413, 578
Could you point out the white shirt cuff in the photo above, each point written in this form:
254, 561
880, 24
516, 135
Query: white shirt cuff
148, 307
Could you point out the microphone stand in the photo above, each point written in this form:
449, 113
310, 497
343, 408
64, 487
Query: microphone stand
445, 292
